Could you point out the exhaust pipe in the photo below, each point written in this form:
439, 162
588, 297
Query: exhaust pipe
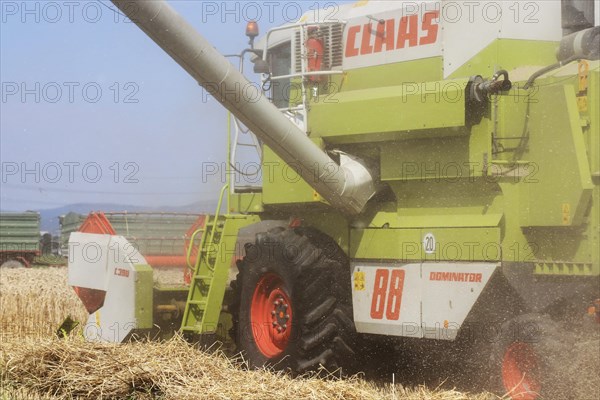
347, 186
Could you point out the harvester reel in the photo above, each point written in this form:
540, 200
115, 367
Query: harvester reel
293, 307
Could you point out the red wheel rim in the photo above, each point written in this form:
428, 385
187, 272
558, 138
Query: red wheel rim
520, 372
271, 316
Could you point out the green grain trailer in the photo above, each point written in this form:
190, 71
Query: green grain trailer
434, 181
19, 237
161, 236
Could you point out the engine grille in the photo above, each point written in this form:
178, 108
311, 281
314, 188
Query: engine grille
332, 37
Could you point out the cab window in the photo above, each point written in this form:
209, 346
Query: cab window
280, 61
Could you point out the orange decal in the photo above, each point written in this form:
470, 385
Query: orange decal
408, 34
389, 300
351, 49
408, 31
385, 36
456, 277
122, 272
394, 300
379, 291
365, 46
430, 27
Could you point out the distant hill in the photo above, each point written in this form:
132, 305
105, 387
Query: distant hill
49, 217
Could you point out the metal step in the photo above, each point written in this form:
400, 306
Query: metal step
191, 328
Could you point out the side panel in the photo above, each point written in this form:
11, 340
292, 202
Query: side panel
377, 312
432, 108
449, 293
282, 184
428, 300
531, 20
451, 244
561, 192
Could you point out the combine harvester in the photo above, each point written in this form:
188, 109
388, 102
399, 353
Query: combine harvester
426, 182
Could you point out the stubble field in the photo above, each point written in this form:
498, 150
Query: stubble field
35, 364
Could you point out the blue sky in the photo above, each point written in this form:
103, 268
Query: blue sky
84, 92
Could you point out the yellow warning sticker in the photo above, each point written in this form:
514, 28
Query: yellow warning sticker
359, 280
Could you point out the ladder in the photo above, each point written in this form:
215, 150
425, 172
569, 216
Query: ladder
211, 270
235, 174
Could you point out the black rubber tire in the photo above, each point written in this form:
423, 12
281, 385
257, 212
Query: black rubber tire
316, 277
11, 263
551, 345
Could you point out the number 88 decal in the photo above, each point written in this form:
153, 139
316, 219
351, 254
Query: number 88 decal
382, 296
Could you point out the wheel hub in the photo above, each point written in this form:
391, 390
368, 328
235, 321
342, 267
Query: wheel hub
279, 313
271, 315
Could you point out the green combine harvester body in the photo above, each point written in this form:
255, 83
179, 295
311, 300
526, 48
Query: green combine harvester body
525, 197
421, 179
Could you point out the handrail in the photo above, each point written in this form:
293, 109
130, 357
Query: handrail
303, 74
214, 227
189, 249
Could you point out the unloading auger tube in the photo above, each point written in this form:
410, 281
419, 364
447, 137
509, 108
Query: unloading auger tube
347, 186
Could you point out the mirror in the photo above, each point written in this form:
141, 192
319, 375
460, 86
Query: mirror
261, 66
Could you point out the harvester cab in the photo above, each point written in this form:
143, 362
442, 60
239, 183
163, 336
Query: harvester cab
430, 174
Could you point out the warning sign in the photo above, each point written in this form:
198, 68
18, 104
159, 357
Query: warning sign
359, 280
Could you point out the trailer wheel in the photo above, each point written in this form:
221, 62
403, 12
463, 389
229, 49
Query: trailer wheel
527, 359
292, 307
11, 263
